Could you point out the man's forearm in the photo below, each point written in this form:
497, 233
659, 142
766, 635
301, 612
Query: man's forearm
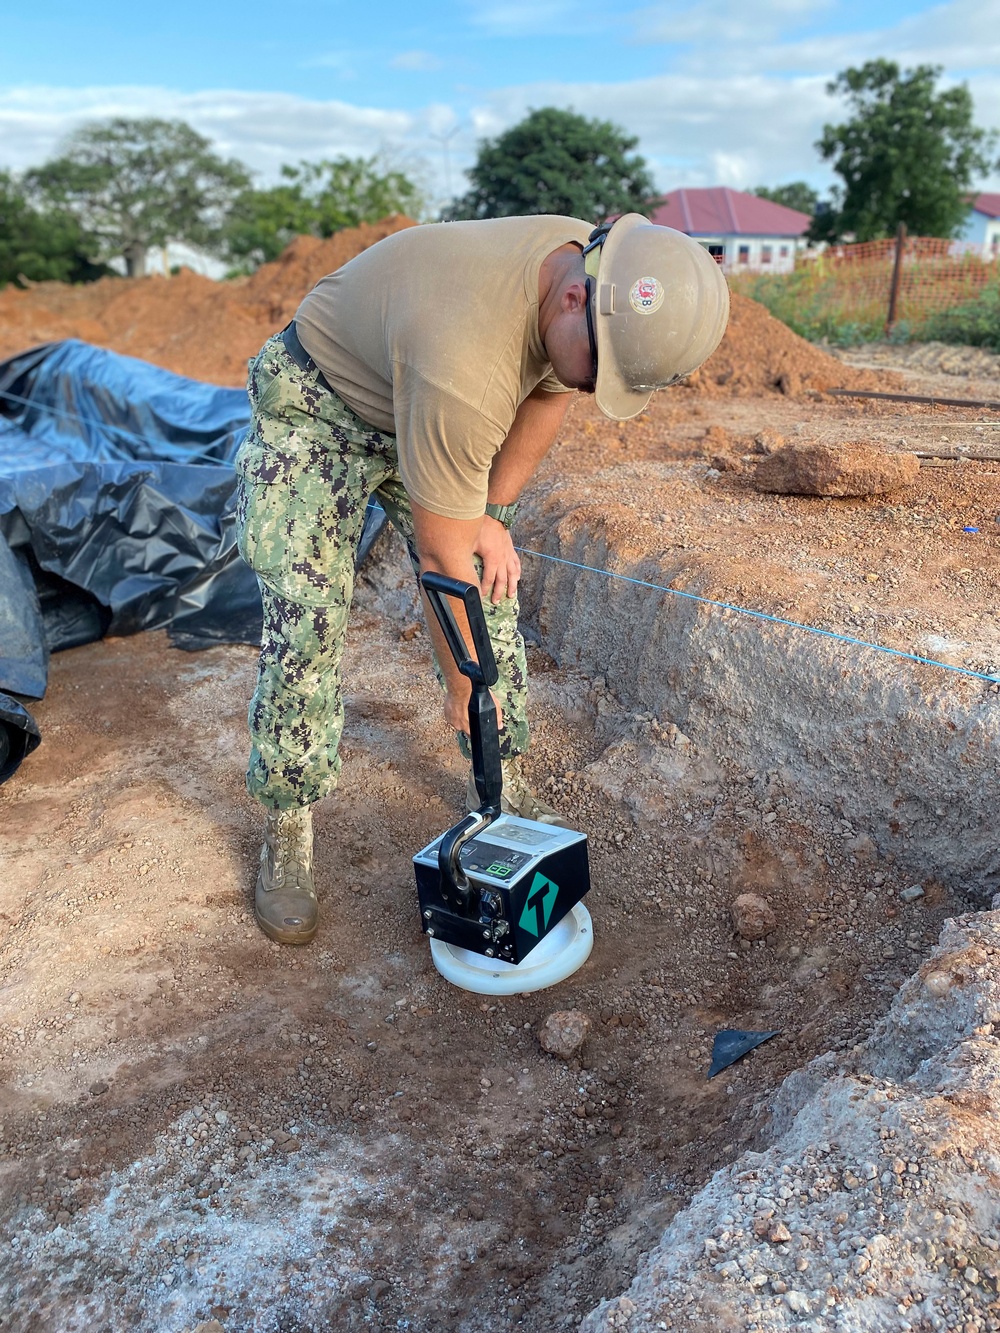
530, 438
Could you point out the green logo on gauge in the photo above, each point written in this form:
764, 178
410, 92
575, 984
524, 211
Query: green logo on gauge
538, 905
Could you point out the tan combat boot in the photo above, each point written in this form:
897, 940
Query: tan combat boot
517, 798
285, 902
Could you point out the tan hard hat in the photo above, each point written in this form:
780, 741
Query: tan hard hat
661, 307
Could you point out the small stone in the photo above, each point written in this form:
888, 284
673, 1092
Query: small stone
752, 917
796, 1302
937, 983
911, 894
564, 1032
971, 1275
778, 1233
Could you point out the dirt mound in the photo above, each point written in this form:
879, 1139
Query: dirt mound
207, 330
186, 323
760, 353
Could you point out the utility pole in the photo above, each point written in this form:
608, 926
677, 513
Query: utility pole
444, 139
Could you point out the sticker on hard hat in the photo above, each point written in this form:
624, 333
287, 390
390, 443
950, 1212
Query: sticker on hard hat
646, 295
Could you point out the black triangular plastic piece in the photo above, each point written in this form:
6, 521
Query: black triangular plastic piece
731, 1044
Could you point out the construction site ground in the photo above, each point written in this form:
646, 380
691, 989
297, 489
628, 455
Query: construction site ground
197, 1124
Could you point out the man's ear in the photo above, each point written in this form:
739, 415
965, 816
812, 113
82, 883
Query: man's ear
574, 297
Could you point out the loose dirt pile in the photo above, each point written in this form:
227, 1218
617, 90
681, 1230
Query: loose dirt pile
185, 323
208, 330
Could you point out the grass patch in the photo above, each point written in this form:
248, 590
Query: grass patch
822, 307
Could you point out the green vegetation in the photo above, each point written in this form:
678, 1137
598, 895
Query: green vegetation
41, 246
557, 162
811, 307
814, 302
797, 195
973, 323
120, 187
133, 184
320, 198
907, 154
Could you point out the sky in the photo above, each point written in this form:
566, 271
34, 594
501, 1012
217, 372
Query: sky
721, 92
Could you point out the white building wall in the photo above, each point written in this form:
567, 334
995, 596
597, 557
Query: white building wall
749, 254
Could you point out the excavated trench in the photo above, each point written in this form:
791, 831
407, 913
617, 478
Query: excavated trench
199, 1125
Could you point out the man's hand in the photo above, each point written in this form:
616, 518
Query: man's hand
501, 563
456, 708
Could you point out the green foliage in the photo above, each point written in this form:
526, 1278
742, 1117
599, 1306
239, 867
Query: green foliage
797, 195
973, 323
907, 154
262, 222
811, 308
133, 184
347, 191
557, 162
320, 198
40, 246
811, 302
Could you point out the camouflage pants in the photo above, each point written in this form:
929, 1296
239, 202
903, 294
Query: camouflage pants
304, 476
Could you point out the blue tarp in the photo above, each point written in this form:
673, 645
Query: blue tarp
116, 508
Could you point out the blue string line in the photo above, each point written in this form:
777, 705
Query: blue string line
763, 615
622, 578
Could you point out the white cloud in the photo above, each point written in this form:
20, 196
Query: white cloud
721, 22
418, 61
524, 18
262, 129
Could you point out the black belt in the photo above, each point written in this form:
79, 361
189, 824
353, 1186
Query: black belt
300, 356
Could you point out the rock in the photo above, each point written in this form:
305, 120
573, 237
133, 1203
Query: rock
767, 441
911, 894
564, 1032
835, 469
210, 1326
752, 917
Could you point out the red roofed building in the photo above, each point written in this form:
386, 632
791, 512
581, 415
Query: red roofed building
982, 226
742, 231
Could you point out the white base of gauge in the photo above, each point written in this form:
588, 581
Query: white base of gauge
564, 949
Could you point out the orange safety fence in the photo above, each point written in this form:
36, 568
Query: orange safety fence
853, 282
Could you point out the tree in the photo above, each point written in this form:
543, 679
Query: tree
557, 162
797, 195
262, 222
907, 154
318, 199
133, 184
41, 246
347, 191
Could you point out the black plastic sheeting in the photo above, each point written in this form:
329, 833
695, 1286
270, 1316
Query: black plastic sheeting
18, 735
116, 508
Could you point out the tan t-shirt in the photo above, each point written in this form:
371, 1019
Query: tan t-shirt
432, 335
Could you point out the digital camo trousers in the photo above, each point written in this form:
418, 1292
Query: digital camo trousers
304, 476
